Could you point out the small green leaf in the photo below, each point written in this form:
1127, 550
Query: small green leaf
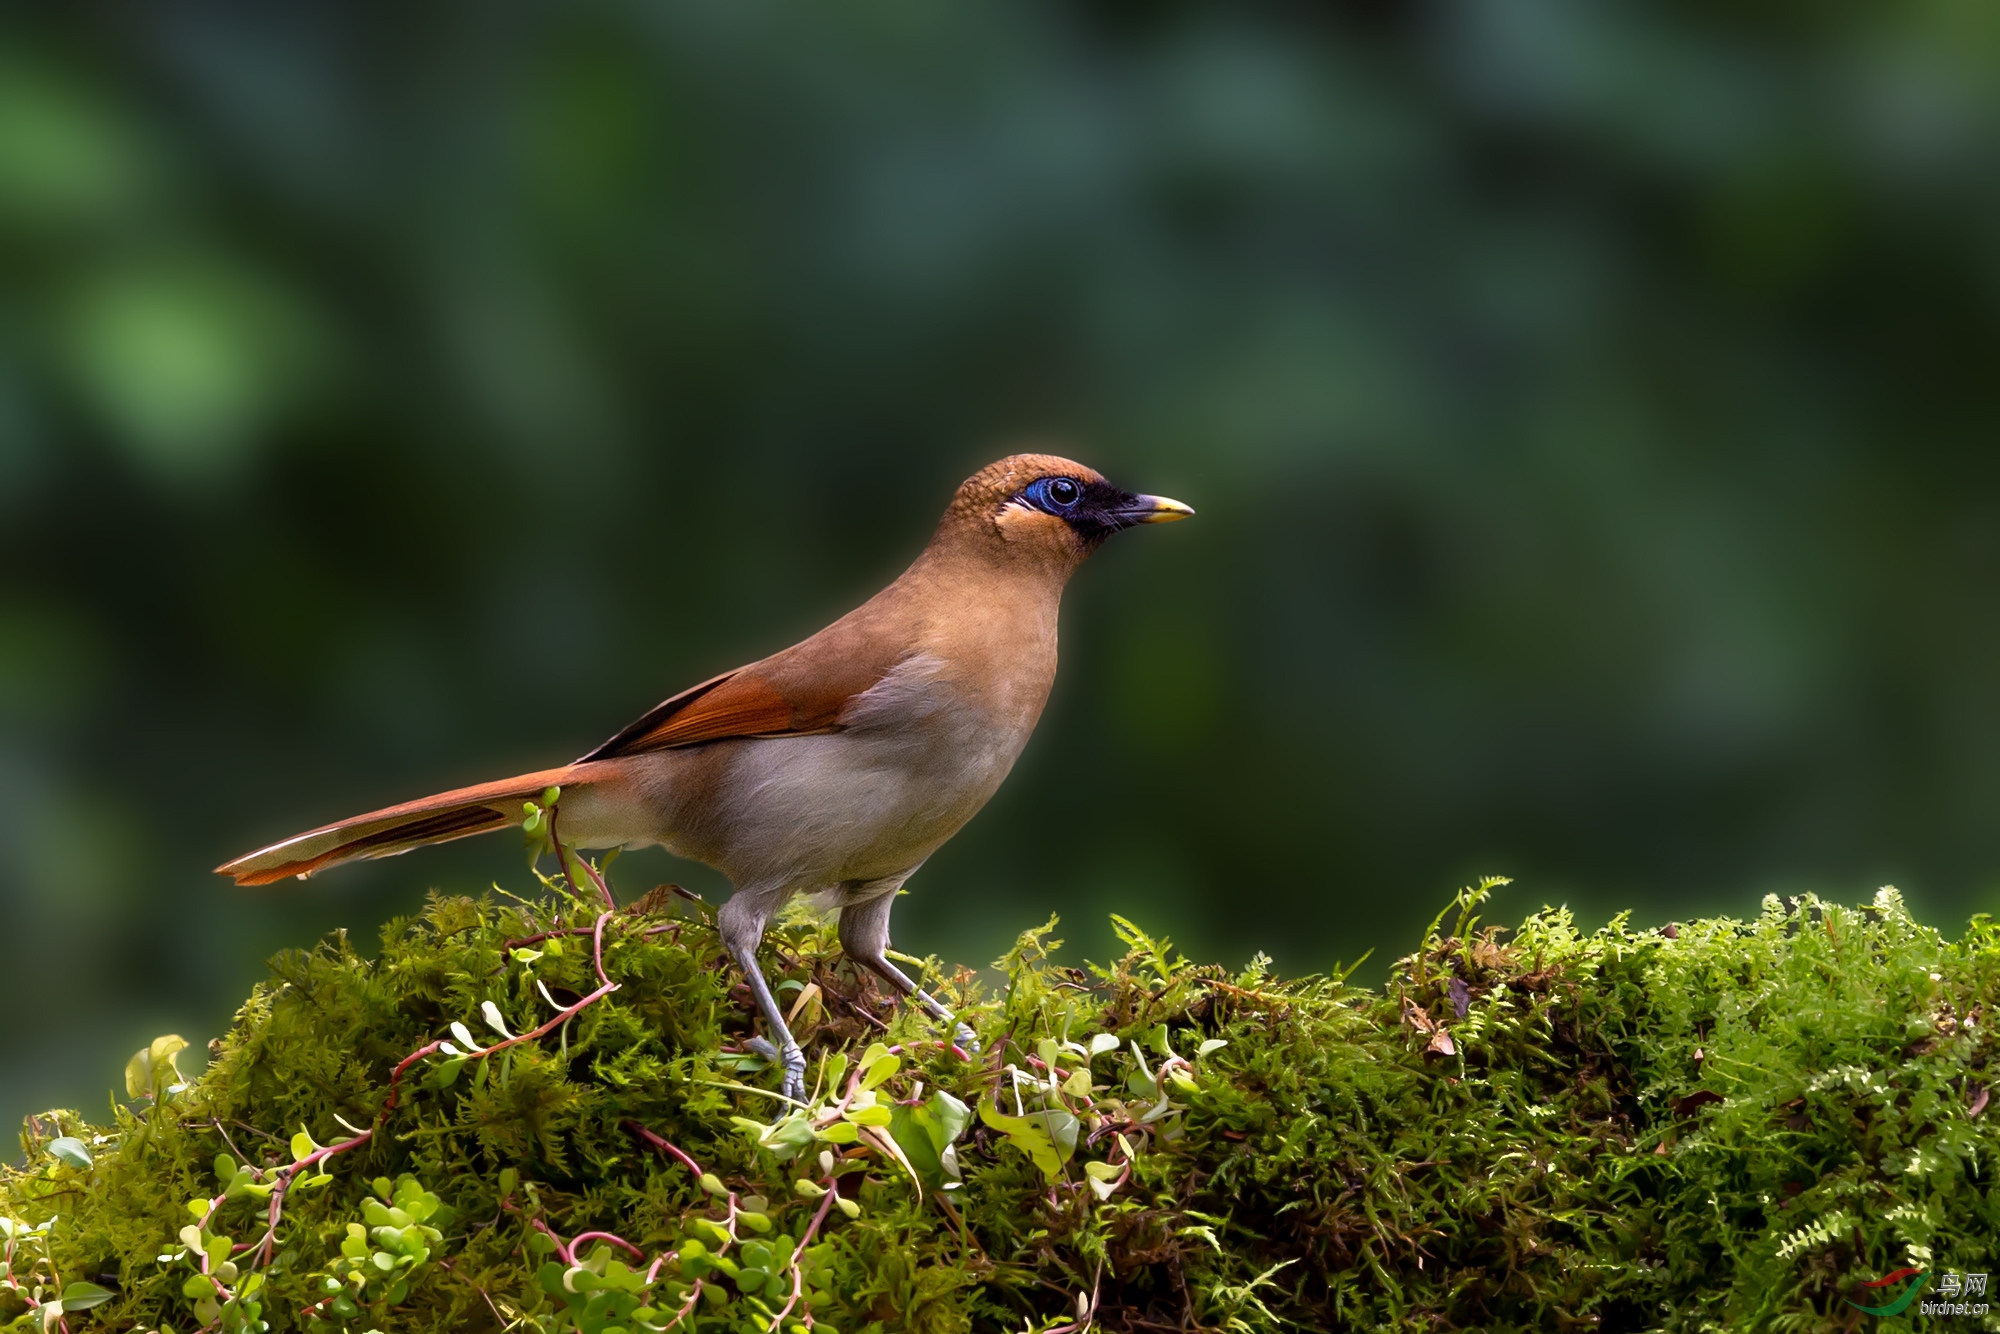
71, 1150
303, 1147
716, 1234
874, 1072
152, 1067
139, 1074
1062, 1129
83, 1296
1024, 1135
952, 1116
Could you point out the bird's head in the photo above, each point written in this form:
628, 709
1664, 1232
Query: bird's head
1049, 509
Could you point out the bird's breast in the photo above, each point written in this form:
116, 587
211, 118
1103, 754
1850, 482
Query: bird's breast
916, 756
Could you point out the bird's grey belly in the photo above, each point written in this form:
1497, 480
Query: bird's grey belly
823, 810
811, 812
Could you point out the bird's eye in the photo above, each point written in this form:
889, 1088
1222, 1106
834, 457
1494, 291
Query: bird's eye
1063, 492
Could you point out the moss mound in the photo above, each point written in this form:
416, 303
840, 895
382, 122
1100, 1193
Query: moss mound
540, 1116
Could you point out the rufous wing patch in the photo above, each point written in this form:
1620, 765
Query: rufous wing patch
740, 706
772, 698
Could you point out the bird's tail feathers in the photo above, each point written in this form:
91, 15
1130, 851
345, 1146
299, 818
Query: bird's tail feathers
435, 819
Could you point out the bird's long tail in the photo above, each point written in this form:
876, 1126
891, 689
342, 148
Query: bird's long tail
435, 819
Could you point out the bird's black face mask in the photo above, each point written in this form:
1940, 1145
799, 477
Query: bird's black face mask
1095, 510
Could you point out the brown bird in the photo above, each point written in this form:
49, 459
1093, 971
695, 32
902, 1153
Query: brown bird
838, 765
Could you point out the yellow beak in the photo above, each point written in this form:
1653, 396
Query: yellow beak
1157, 509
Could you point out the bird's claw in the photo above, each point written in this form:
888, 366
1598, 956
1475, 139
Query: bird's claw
965, 1039
791, 1058
795, 1072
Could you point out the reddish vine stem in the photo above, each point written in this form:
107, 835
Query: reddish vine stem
268, 1242
569, 872
664, 1146
798, 1252
568, 1259
611, 1237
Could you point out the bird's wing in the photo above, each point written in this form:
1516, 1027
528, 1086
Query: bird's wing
795, 693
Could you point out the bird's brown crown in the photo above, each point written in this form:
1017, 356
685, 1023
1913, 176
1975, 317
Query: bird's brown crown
987, 491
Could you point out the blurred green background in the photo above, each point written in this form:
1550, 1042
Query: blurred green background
1591, 410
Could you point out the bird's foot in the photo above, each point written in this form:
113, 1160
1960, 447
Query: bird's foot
791, 1058
962, 1035
795, 1072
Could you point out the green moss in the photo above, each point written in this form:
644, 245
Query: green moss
1727, 1127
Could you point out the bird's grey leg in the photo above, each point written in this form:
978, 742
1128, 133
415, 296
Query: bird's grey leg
864, 934
741, 922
